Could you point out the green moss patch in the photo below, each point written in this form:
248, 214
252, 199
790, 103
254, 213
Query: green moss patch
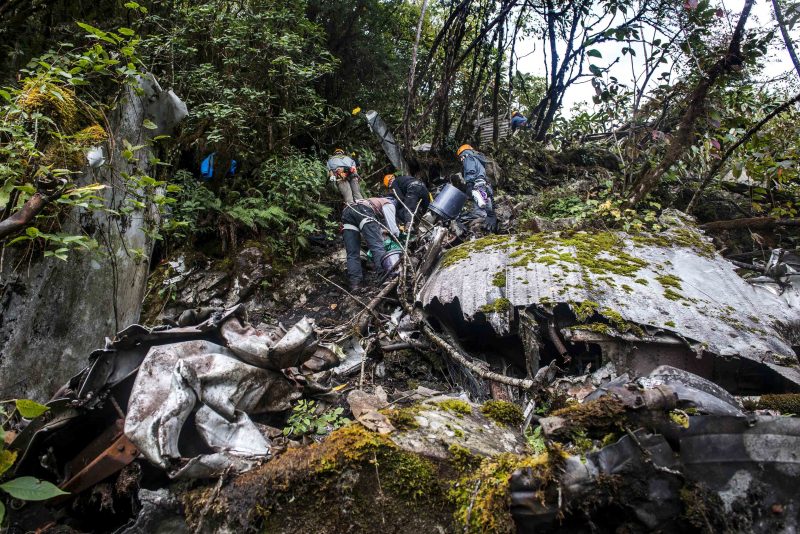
499, 305
505, 413
482, 497
669, 281
595, 418
462, 459
499, 279
786, 403
456, 406
325, 485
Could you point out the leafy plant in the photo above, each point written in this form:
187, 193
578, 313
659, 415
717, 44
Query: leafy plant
535, 440
280, 204
50, 120
304, 420
23, 488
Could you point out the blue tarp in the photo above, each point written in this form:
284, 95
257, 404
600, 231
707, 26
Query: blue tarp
207, 167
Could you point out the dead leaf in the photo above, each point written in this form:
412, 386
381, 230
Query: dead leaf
365, 409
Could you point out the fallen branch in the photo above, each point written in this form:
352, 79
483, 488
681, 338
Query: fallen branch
363, 322
26, 214
752, 223
454, 353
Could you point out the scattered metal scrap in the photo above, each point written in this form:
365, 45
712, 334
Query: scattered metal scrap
187, 396
744, 465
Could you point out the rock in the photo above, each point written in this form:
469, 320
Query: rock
365, 408
440, 428
251, 269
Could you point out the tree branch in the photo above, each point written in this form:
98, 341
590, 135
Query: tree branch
746, 137
785, 34
696, 102
26, 214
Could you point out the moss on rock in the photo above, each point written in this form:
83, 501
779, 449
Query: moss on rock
354, 477
456, 406
785, 403
51, 100
502, 412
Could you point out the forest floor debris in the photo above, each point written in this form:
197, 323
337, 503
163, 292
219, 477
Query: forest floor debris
586, 446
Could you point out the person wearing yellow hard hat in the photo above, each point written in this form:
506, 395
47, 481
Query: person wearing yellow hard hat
477, 184
344, 171
412, 195
518, 120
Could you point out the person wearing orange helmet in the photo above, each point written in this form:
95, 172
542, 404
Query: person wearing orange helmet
412, 195
343, 170
364, 218
477, 184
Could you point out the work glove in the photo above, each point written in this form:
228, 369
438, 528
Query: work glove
477, 196
490, 222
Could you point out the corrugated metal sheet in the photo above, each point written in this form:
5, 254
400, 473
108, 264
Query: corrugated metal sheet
486, 128
718, 311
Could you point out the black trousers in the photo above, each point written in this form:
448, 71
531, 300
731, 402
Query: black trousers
363, 218
416, 195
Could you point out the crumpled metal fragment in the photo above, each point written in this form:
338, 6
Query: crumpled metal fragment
214, 389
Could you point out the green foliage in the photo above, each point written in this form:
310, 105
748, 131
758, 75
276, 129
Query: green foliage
31, 489
24, 488
280, 204
30, 409
51, 119
535, 440
305, 420
248, 73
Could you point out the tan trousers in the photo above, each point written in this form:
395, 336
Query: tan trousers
349, 189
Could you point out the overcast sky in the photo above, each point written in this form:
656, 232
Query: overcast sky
777, 63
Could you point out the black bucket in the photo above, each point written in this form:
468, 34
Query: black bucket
448, 202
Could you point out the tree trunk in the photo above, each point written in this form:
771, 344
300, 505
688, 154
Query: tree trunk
695, 104
54, 313
785, 34
411, 75
496, 93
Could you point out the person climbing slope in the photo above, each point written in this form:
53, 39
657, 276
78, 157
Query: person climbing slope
412, 195
477, 184
344, 171
518, 121
364, 218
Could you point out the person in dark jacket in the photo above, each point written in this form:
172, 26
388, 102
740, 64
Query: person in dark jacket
477, 184
412, 195
343, 170
364, 218
518, 120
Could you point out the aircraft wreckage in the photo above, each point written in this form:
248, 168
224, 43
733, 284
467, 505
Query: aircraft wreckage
639, 301
664, 322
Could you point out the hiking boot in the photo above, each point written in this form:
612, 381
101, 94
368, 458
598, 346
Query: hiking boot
356, 286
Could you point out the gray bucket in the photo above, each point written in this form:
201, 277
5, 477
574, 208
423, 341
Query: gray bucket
448, 202
391, 260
